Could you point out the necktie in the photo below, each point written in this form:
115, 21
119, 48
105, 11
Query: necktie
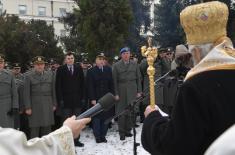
101, 69
71, 70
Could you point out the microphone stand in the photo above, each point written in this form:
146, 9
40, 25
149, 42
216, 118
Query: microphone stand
131, 108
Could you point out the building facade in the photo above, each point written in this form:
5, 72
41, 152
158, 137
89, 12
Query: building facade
47, 10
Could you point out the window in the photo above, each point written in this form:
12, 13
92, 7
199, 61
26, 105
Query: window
62, 12
41, 11
62, 33
22, 9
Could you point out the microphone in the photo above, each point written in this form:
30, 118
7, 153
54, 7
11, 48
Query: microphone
170, 73
103, 104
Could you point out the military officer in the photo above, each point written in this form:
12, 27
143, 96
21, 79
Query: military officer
53, 65
86, 66
134, 57
16, 70
19, 79
127, 86
167, 58
99, 83
8, 96
29, 68
39, 94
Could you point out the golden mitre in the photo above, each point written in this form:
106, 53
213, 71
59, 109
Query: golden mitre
204, 23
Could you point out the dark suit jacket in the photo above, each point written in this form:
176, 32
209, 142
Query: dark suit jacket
69, 88
100, 83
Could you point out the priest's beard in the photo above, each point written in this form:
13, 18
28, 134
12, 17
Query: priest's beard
199, 51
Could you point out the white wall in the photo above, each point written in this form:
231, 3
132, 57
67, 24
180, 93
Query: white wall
12, 7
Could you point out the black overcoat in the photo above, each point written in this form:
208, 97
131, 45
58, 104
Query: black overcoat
69, 87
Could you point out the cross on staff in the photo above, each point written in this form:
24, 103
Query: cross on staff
151, 54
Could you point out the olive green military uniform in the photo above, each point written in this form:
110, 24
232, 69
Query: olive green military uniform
19, 80
166, 65
39, 95
8, 98
127, 83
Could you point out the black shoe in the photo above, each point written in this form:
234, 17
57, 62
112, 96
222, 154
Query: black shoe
122, 137
142, 120
128, 135
104, 140
78, 144
98, 140
110, 125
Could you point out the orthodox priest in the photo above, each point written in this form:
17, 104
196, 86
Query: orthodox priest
205, 104
59, 142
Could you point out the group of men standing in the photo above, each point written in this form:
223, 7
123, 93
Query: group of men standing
204, 105
39, 91
40, 94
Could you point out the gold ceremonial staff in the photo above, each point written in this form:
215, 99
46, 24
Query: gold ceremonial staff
151, 54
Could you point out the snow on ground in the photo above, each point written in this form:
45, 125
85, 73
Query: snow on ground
113, 147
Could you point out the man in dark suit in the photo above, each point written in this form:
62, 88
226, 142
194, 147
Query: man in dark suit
69, 88
100, 82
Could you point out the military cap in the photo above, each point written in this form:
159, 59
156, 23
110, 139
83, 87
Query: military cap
2, 58
101, 55
124, 49
162, 50
53, 61
39, 60
85, 61
169, 49
16, 65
